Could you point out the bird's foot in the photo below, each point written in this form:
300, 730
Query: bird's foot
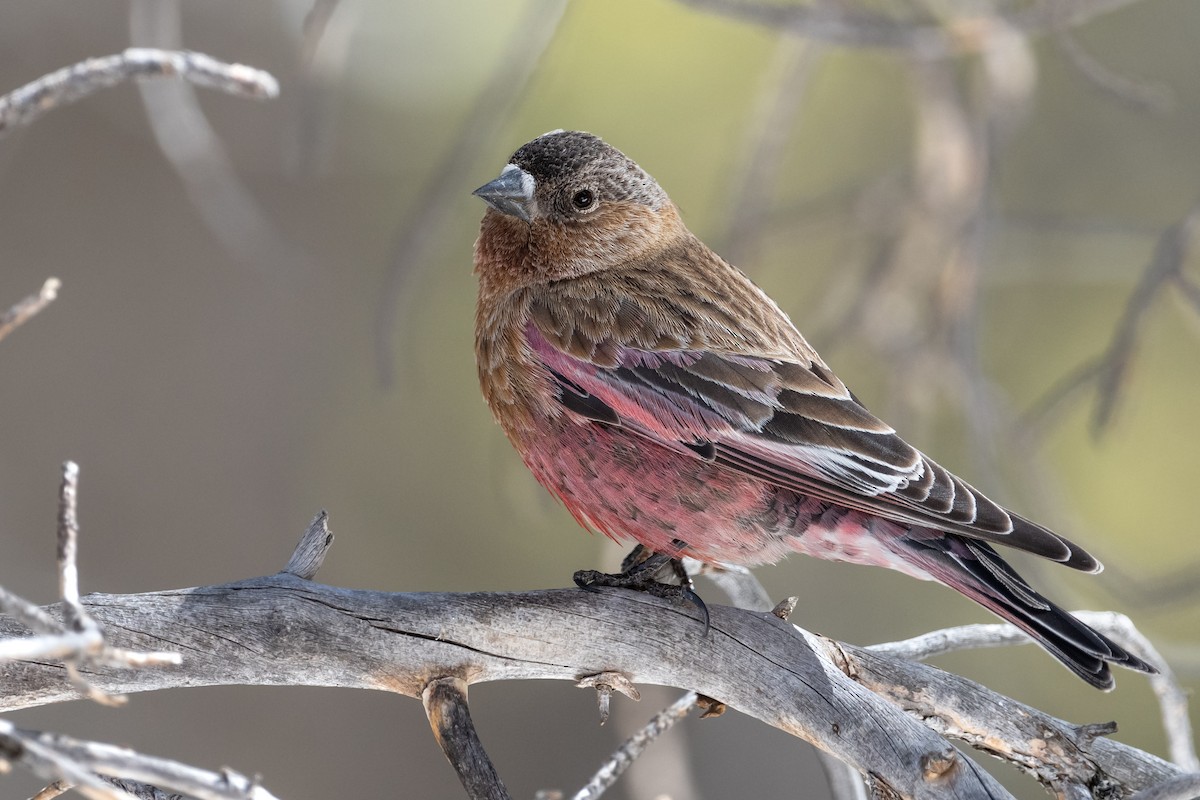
640, 571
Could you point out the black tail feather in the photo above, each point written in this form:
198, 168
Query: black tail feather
973, 568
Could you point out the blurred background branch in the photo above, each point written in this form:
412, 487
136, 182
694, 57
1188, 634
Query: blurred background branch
194, 149
23, 106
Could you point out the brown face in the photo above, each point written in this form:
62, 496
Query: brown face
568, 204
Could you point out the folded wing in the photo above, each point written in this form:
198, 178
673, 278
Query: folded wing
791, 423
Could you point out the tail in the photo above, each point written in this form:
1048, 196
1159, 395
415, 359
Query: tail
973, 568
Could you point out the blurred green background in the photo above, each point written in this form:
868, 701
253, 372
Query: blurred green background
955, 234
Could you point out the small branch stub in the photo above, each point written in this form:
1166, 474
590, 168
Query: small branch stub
785, 608
936, 766
605, 683
310, 551
710, 707
1086, 734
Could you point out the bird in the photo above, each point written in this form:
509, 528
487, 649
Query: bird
664, 398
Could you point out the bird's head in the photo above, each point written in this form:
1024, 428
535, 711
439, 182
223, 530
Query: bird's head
568, 204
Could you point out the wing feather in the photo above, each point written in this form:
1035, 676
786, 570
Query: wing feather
767, 408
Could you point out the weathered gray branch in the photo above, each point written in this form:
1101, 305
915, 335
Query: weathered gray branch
1010, 730
1172, 699
265, 631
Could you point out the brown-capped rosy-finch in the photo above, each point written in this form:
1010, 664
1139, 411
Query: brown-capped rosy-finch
663, 397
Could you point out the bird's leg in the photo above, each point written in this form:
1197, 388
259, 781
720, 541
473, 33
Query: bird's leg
635, 557
640, 571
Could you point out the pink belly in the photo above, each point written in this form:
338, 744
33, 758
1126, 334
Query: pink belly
631, 488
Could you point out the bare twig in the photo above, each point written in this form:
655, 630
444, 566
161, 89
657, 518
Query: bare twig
448, 181
30, 752
53, 790
627, 753
16, 316
77, 639
1173, 701
1001, 726
82, 762
23, 106
27, 614
445, 701
68, 534
75, 619
310, 551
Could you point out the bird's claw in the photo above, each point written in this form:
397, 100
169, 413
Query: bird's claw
640, 575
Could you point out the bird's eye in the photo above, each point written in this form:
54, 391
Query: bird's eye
583, 199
